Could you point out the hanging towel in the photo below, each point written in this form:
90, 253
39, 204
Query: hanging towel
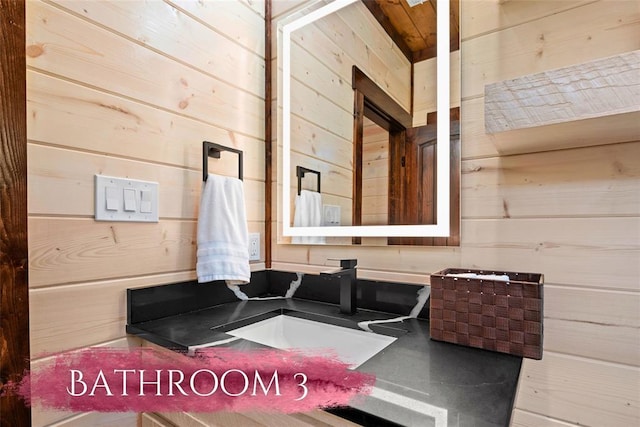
223, 238
308, 213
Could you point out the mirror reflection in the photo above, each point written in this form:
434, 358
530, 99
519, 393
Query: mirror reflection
363, 114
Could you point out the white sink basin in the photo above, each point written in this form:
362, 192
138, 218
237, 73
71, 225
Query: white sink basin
351, 346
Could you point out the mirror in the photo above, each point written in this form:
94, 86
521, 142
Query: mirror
339, 70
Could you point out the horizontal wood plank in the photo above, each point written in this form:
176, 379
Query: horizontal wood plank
340, 45
425, 87
101, 306
603, 29
100, 419
312, 106
75, 250
479, 18
317, 142
152, 420
241, 21
557, 247
162, 27
474, 141
70, 47
75, 116
283, 9
44, 416
316, 74
580, 391
521, 418
611, 343
598, 306
62, 182
78, 250
552, 184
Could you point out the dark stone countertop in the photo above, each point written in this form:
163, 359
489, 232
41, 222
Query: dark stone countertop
419, 381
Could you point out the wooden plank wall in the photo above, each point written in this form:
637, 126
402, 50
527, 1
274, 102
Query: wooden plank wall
375, 174
425, 87
131, 89
572, 214
14, 269
323, 54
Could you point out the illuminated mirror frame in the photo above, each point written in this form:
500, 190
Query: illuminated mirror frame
442, 227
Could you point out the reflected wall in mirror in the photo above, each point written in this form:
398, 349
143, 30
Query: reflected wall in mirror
355, 95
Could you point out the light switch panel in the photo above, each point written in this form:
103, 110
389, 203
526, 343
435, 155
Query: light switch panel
129, 200
111, 196
124, 199
145, 201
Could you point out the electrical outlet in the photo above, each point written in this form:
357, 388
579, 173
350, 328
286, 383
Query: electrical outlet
330, 215
254, 246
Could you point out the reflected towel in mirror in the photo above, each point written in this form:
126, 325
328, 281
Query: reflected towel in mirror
223, 237
308, 213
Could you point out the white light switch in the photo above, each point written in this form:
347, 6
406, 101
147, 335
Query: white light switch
111, 195
145, 201
129, 200
124, 199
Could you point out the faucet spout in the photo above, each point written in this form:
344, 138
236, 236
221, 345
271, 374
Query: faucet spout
348, 285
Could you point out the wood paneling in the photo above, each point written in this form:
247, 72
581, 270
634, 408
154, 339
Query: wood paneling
599, 341
101, 305
425, 87
160, 26
580, 391
14, 291
130, 89
60, 175
69, 250
521, 418
100, 419
606, 28
322, 98
151, 420
551, 184
84, 118
572, 214
480, 18
77, 50
46, 417
558, 248
257, 419
375, 175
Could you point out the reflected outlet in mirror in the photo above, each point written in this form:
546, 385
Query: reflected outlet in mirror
351, 346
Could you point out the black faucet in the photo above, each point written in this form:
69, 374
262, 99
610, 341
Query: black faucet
348, 285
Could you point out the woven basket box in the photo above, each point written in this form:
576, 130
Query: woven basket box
497, 315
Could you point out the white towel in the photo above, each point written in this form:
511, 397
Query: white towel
223, 238
308, 213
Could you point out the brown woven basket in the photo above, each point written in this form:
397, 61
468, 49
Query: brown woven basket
490, 314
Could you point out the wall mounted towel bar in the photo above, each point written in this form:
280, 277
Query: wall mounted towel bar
300, 172
211, 149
